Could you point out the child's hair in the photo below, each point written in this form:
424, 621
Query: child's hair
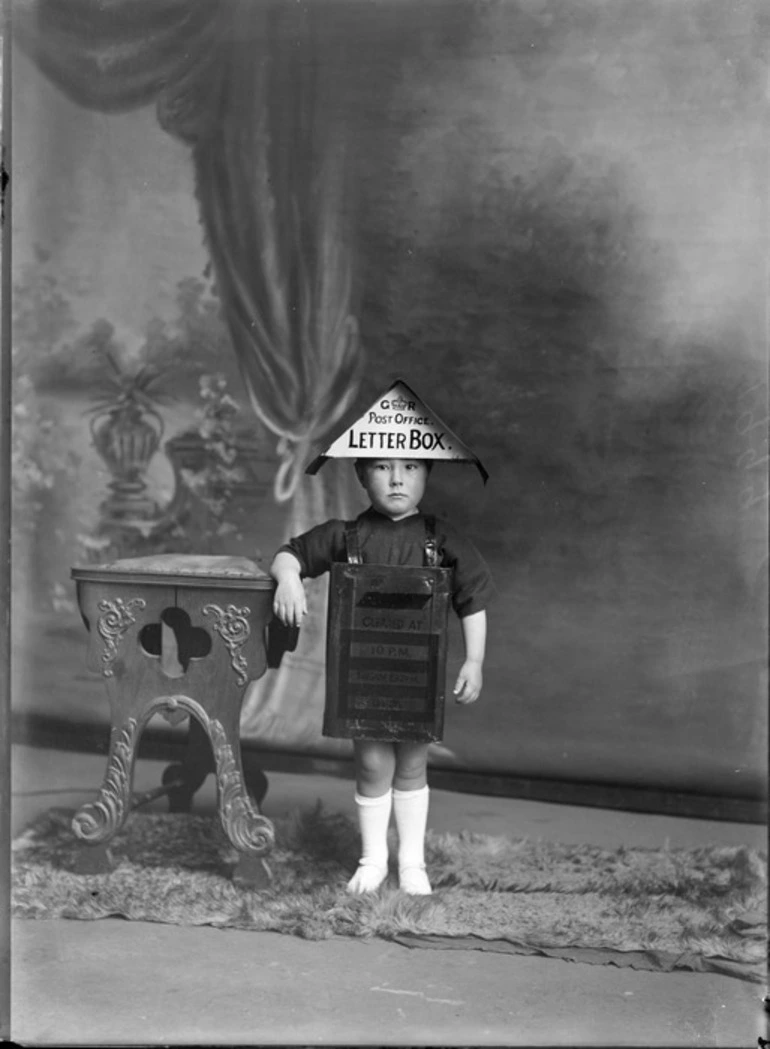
361, 464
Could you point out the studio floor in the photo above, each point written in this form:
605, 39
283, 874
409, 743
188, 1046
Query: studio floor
115, 982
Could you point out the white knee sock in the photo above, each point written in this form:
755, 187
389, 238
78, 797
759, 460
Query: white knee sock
373, 820
410, 808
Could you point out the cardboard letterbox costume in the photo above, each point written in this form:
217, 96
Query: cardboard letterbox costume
386, 648
387, 622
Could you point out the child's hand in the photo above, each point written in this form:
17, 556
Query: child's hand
468, 686
289, 602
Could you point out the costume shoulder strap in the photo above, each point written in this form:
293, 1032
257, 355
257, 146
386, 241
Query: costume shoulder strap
352, 545
431, 546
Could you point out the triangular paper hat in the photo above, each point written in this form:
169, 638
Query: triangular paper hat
398, 425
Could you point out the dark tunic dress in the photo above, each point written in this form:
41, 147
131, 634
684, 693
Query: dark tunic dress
386, 542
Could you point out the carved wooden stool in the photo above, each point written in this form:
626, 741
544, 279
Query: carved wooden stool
178, 635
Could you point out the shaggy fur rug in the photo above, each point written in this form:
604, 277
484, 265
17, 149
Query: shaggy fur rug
700, 909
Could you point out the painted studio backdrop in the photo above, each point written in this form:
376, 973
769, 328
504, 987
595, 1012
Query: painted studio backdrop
237, 221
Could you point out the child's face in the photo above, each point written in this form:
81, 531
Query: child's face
395, 486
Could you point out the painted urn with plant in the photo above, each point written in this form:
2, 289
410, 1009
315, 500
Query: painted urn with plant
127, 429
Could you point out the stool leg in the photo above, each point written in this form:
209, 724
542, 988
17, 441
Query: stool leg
93, 859
195, 766
251, 833
256, 780
198, 763
96, 823
252, 872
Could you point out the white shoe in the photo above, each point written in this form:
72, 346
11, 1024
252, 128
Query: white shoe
414, 881
368, 878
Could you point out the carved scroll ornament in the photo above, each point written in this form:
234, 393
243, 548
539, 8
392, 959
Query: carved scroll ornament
115, 620
97, 821
232, 625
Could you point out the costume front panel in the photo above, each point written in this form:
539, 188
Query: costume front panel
386, 652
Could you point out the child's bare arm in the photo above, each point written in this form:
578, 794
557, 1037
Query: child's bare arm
289, 602
470, 679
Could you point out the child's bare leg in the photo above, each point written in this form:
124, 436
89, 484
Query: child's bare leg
410, 807
411, 771
375, 764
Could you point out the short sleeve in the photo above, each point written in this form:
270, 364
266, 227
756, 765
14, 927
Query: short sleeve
317, 549
473, 588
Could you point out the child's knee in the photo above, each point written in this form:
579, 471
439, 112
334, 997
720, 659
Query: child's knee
375, 762
411, 766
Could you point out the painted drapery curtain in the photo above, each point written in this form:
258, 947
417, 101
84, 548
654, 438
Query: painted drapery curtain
257, 91
251, 89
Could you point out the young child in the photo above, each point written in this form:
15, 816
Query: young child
392, 775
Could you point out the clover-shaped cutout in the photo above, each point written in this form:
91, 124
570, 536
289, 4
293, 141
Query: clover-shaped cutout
175, 640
